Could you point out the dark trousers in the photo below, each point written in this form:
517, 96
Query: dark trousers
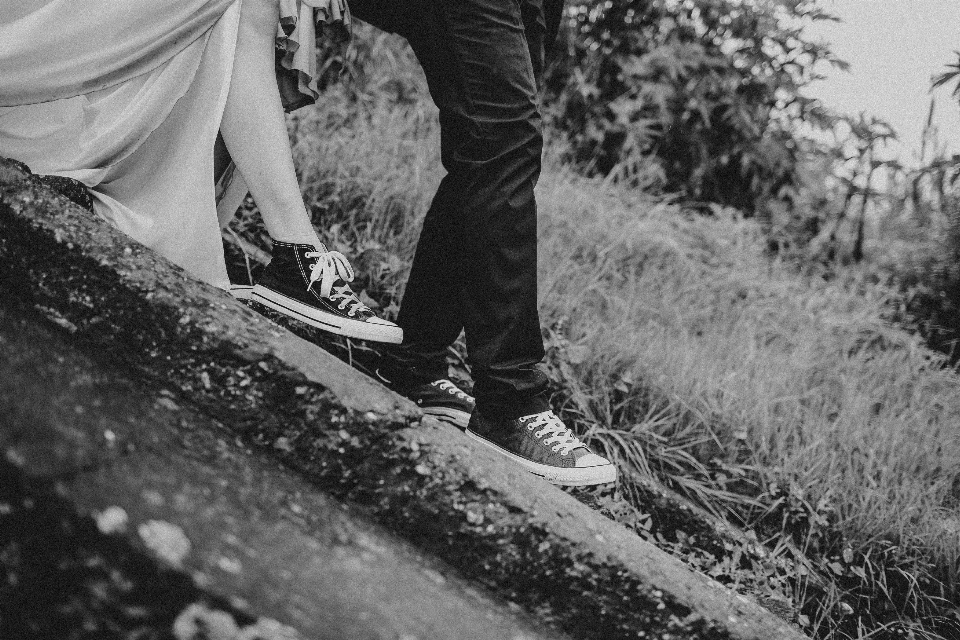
476, 263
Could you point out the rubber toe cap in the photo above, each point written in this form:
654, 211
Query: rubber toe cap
592, 460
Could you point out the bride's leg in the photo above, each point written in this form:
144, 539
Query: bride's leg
254, 129
300, 281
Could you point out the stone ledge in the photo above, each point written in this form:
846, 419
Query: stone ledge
187, 520
524, 539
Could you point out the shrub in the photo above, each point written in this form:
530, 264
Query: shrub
710, 88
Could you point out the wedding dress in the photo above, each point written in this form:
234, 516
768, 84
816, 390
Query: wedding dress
127, 96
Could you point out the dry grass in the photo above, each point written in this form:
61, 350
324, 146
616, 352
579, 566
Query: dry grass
822, 392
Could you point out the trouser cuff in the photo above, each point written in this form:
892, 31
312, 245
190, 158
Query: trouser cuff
511, 392
408, 366
513, 408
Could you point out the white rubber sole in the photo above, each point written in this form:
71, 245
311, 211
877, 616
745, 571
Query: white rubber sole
457, 418
372, 331
568, 477
241, 291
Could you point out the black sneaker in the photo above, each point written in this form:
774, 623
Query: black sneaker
443, 400
542, 444
309, 284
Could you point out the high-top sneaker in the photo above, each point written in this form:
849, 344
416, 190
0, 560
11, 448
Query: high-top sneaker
440, 398
309, 283
542, 444
443, 400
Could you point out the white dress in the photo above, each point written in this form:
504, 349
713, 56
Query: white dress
126, 96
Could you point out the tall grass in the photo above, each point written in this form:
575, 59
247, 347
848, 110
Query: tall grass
689, 311
786, 405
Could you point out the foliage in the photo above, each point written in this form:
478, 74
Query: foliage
900, 221
952, 74
930, 274
825, 221
710, 88
376, 67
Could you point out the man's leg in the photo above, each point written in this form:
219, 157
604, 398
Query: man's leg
476, 262
420, 361
475, 266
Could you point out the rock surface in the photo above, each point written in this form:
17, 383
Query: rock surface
288, 400
182, 514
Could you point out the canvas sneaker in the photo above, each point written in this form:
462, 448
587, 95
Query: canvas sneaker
310, 284
443, 400
542, 444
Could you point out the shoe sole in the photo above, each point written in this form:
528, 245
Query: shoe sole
241, 291
456, 417
567, 477
326, 321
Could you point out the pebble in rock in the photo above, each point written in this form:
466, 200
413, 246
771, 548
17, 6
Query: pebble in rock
166, 540
112, 520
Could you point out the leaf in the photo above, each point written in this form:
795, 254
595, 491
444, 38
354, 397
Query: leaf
943, 78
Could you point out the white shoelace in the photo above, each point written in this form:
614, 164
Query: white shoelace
449, 387
562, 438
329, 266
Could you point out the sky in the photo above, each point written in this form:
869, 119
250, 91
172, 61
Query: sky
894, 47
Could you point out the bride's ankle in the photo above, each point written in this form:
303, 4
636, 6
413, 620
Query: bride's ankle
311, 239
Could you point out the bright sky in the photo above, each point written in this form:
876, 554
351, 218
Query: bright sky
894, 47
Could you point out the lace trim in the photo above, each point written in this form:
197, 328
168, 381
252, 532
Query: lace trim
301, 22
452, 389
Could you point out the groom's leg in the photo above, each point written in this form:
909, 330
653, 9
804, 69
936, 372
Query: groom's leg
422, 357
476, 261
